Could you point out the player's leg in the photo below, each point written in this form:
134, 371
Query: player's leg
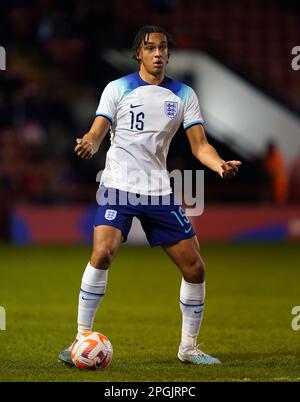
168, 226
186, 255
107, 240
111, 227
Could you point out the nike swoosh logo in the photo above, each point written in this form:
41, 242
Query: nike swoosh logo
83, 298
133, 106
187, 231
198, 312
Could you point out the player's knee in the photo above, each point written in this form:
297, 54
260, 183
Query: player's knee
102, 257
195, 272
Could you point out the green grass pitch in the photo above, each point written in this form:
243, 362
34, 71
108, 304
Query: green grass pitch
251, 290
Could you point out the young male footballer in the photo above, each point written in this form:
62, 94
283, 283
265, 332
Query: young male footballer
144, 111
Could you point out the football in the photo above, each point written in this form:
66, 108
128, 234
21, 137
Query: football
92, 351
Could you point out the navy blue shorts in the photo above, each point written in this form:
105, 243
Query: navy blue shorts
164, 222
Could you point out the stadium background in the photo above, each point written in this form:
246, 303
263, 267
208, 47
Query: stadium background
59, 57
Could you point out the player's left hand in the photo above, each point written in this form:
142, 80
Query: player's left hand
229, 169
84, 148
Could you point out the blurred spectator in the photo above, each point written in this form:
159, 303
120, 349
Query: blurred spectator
163, 6
83, 108
274, 165
295, 180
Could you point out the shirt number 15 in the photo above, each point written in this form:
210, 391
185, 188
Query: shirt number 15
137, 121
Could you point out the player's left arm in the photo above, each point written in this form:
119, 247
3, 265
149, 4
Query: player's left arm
208, 155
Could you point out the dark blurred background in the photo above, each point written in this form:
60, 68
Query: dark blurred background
56, 71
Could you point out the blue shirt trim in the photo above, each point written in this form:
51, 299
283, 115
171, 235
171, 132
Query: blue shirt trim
132, 81
106, 116
194, 123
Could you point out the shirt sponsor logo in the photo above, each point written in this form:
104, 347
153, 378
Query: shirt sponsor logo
171, 109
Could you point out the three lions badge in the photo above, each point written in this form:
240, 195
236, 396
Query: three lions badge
171, 109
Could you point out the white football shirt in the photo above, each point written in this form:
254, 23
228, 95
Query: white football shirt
144, 118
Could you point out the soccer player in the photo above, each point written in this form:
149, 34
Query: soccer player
143, 111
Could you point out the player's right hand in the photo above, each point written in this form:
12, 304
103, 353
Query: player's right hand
84, 148
229, 169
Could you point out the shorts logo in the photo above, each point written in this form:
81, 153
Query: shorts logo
171, 109
110, 214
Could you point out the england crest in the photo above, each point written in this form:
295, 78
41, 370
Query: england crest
110, 214
171, 109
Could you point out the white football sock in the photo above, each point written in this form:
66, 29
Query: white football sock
92, 291
192, 297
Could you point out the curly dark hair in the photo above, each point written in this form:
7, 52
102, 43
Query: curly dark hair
143, 34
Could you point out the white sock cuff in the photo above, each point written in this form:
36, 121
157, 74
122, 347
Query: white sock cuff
94, 280
192, 291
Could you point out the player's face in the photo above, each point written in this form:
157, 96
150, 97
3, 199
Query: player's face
153, 53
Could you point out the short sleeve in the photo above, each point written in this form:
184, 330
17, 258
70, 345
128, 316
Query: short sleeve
192, 114
108, 102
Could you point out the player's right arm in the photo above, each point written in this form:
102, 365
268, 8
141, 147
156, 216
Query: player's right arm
89, 144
